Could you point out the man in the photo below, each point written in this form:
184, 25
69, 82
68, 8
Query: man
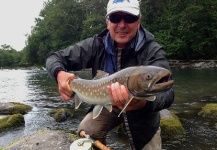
123, 44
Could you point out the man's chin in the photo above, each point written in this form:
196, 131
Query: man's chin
122, 40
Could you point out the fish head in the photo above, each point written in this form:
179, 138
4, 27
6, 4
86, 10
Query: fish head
145, 81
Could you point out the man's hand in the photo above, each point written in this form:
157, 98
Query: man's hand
63, 79
120, 95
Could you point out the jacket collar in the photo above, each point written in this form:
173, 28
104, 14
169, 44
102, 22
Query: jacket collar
143, 37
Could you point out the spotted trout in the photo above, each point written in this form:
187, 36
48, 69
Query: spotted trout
142, 82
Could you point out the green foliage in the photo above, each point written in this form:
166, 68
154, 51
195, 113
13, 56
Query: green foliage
94, 21
57, 27
61, 24
9, 57
187, 29
92, 25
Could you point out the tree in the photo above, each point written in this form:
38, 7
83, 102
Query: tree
59, 25
9, 58
186, 29
6, 47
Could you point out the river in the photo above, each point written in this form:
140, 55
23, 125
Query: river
193, 89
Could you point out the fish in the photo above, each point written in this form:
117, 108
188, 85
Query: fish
142, 82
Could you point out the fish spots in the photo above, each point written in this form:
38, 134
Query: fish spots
96, 90
133, 78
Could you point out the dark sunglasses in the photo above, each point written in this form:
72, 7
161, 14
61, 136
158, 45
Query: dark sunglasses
116, 18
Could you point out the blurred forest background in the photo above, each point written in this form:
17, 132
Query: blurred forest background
187, 29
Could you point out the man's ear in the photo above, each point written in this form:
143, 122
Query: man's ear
138, 27
107, 22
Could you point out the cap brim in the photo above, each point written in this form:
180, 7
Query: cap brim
131, 11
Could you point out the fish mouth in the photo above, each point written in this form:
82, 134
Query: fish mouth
161, 83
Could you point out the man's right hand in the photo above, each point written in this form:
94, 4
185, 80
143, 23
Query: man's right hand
63, 79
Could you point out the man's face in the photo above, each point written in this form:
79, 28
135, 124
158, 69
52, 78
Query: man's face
121, 31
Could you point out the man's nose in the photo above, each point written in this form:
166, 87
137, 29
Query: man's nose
122, 23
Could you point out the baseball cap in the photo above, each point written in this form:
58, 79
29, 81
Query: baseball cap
128, 6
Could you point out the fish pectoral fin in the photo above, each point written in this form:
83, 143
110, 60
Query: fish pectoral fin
108, 107
151, 98
97, 110
77, 101
125, 106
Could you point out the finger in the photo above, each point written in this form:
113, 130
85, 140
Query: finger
109, 89
114, 95
118, 92
65, 93
124, 92
110, 92
64, 79
65, 97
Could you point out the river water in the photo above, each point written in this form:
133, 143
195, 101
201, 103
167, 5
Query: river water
193, 89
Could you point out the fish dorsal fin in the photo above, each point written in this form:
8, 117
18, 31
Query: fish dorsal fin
151, 98
127, 103
77, 101
97, 110
108, 107
100, 74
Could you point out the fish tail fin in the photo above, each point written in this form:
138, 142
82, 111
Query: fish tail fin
127, 103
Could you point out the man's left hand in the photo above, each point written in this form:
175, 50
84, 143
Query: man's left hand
120, 96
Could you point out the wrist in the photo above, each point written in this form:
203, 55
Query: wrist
56, 71
136, 104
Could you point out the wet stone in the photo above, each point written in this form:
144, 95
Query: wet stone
11, 122
14, 108
55, 140
170, 124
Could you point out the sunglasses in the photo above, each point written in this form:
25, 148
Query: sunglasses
116, 18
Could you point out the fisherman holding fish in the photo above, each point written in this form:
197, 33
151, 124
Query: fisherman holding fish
125, 43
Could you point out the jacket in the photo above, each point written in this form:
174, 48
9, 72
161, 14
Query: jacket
90, 53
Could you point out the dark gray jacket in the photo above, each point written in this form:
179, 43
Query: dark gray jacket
90, 53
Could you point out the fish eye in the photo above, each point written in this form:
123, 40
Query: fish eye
148, 77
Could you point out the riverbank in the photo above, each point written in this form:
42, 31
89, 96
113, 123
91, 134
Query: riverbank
199, 64
173, 63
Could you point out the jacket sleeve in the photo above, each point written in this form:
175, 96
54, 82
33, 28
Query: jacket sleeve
156, 56
162, 101
72, 58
